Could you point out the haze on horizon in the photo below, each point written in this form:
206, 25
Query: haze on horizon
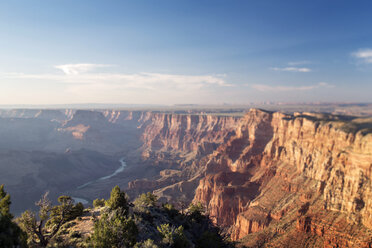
179, 52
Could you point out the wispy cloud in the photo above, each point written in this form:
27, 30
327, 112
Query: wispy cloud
81, 74
365, 55
84, 83
264, 87
297, 63
293, 69
75, 69
138, 80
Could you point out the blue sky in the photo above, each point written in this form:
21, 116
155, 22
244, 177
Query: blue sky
168, 52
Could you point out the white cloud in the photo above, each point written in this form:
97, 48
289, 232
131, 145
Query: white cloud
137, 80
293, 69
75, 69
263, 87
80, 83
365, 55
81, 76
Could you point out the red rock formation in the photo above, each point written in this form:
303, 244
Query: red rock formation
185, 133
300, 177
179, 142
288, 159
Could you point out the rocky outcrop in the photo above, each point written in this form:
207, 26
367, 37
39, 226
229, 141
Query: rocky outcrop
185, 133
228, 187
340, 161
275, 162
265, 171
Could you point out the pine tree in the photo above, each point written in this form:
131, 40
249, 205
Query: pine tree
42, 230
10, 234
118, 199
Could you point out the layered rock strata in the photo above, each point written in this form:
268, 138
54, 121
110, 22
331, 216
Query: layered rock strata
275, 163
177, 145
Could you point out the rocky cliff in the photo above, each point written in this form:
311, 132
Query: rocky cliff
177, 144
279, 169
185, 133
268, 177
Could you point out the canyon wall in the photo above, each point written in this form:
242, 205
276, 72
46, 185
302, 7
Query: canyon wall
177, 144
266, 172
276, 164
185, 133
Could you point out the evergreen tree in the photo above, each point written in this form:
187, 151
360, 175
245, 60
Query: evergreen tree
42, 230
115, 228
118, 199
173, 237
146, 200
196, 212
10, 234
99, 203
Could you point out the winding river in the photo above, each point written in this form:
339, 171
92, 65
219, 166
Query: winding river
123, 164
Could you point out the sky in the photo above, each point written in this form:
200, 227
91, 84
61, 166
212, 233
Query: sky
185, 52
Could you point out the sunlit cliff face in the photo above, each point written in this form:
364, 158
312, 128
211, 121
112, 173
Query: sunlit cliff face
275, 169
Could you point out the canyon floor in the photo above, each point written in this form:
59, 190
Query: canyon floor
294, 176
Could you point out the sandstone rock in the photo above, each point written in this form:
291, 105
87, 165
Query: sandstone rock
295, 152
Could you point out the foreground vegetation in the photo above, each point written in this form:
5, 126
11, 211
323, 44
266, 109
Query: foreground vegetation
115, 222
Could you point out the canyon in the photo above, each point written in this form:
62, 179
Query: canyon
287, 180
266, 178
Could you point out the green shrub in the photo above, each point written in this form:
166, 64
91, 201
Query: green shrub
196, 212
114, 230
196, 208
168, 207
173, 237
171, 210
146, 244
76, 211
146, 200
99, 203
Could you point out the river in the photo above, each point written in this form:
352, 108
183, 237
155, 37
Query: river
123, 164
